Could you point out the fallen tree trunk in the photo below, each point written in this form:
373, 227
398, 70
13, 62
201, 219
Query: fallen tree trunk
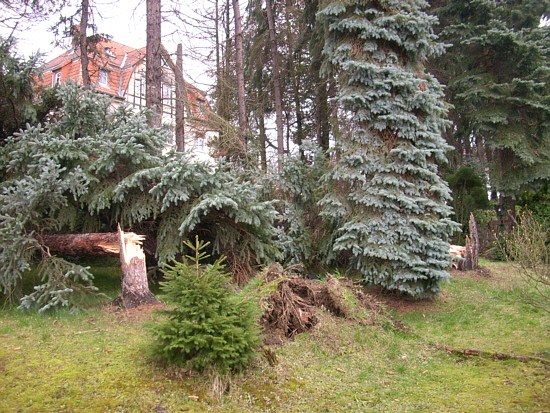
135, 286
82, 244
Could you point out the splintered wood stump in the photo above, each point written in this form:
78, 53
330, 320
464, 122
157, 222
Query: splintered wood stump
135, 286
469, 253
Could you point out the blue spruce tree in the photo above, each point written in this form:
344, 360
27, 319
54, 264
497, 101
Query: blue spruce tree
385, 197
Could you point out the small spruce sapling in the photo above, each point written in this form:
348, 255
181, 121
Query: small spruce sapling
209, 327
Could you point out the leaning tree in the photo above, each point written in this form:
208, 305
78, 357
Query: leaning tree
387, 200
94, 166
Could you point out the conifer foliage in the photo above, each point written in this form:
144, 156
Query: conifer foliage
95, 166
209, 325
497, 72
385, 194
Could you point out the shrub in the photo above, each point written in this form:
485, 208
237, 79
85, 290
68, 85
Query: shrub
526, 246
210, 327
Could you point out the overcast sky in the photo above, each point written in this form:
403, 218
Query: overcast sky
125, 21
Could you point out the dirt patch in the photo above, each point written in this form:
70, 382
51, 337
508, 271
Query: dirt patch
136, 314
294, 307
480, 273
401, 303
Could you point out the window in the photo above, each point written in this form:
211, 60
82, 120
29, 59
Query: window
109, 52
56, 77
166, 92
103, 79
142, 87
199, 142
201, 108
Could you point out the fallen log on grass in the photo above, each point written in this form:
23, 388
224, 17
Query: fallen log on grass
498, 356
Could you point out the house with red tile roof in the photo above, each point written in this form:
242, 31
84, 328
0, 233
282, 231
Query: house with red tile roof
118, 70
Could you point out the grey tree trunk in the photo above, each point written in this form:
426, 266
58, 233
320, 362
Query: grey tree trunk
276, 86
239, 65
181, 97
83, 43
153, 69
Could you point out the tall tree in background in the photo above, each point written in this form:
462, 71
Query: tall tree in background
83, 43
153, 70
316, 33
239, 67
17, 77
497, 72
384, 193
276, 85
181, 98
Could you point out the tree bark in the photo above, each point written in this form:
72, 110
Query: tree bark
135, 286
83, 43
181, 96
470, 253
153, 68
239, 65
276, 86
82, 244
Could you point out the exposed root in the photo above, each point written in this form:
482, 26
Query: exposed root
292, 308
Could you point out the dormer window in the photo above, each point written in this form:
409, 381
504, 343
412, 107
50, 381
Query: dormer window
103, 78
56, 77
109, 52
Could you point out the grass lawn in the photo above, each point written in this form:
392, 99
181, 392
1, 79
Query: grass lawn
96, 361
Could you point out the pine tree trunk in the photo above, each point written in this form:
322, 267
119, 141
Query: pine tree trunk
153, 68
262, 136
239, 65
276, 86
471, 252
83, 43
181, 97
135, 286
90, 244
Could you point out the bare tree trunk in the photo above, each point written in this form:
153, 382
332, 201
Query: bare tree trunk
276, 87
239, 65
470, 256
181, 97
217, 38
322, 114
135, 287
223, 104
262, 137
83, 43
82, 244
153, 69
